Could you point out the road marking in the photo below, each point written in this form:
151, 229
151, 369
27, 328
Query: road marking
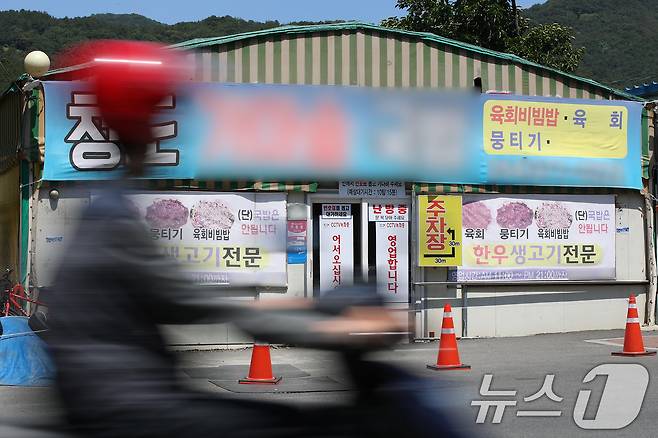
376, 333
609, 341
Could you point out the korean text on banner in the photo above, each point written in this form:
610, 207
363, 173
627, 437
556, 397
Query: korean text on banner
392, 243
357, 136
439, 231
330, 211
561, 142
552, 129
336, 252
371, 189
538, 237
388, 212
220, 238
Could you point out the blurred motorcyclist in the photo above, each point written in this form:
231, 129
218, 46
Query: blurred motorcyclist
116, 378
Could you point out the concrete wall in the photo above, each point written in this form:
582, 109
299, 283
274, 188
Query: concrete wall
53, 227
523, 310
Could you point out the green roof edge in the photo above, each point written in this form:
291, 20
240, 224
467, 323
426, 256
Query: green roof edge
14, 87
351, 25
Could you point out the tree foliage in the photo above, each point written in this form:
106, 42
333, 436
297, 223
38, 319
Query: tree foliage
549, 44
494, 24
435, 16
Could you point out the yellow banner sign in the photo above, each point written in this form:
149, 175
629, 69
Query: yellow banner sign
551, 129
440, 231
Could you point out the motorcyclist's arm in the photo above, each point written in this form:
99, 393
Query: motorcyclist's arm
160, 285
171, 298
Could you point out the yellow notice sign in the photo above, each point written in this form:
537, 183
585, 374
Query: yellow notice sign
440, 230
551, 129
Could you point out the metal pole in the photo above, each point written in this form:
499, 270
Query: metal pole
464, 311
651, 219
417, 302
364, 242
651, 262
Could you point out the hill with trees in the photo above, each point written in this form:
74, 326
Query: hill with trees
24, 31
620, 38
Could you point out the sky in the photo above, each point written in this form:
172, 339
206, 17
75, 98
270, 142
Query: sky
173, 11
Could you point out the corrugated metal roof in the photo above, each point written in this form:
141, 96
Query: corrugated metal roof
425, 36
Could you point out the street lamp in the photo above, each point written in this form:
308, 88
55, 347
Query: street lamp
36, 63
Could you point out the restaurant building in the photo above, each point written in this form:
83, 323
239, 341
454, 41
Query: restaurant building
519, 241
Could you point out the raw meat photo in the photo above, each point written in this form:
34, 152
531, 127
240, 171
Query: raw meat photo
553, 215
212, 214
514, 215
166, 213
476, 215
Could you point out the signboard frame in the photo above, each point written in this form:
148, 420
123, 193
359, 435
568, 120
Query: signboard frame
242, 220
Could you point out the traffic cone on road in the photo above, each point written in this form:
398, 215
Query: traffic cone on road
260, 369
448, 358
633, 343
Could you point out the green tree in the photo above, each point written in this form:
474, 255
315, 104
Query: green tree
494, 24
550, 45
435, 16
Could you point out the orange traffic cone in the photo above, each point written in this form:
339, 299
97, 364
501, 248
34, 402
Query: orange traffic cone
260, 369
448, 353
633, 343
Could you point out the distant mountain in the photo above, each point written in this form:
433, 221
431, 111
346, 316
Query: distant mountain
620, 37
126, 19
24, 31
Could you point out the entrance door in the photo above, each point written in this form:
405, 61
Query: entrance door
354, 241
388, 248
337, 243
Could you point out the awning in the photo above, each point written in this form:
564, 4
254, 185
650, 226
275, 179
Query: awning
224, 186
425, 188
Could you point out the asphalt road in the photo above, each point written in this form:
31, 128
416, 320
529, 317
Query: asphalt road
516, 364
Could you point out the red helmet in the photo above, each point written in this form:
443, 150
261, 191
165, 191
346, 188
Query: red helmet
130, 79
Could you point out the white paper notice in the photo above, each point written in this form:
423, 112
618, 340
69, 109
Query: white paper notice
336, 253
392, 244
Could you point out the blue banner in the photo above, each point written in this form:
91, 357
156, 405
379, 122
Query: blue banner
290, 132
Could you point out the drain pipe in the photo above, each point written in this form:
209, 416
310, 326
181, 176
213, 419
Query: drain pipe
651, 260
649, 209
